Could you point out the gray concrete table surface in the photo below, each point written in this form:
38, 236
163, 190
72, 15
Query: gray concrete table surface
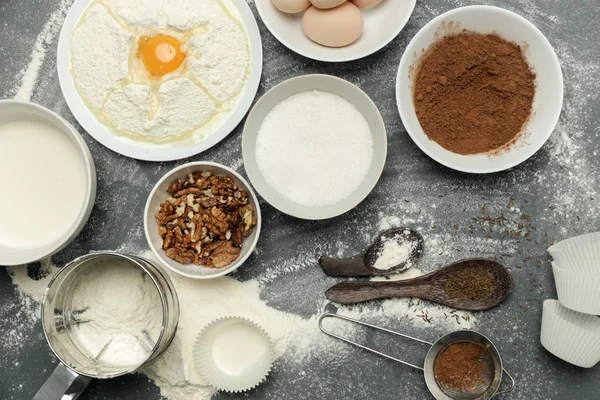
552, 196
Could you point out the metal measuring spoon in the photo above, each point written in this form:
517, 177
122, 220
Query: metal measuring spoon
428, 287
362, 264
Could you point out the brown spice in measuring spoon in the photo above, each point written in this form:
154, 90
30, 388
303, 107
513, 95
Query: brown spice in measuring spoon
461, 367
473, 93
475, 284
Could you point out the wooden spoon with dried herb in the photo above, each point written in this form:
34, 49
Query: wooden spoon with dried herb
474, 284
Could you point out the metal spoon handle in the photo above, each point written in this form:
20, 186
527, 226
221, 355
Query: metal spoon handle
357, 292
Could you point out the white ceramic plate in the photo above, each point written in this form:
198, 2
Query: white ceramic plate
11, 111
301, 84
145, 150
540, 56
159, 195
382, 24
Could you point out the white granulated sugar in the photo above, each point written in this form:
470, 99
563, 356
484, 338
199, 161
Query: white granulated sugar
28, 77
396, 250
123, 311
314, 148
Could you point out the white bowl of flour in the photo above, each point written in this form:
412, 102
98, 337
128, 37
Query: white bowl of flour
314, 146
119, 101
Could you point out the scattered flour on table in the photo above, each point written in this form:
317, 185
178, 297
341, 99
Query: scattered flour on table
25, 314
28, 77
295, 339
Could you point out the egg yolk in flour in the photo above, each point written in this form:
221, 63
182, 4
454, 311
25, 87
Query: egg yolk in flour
160, 54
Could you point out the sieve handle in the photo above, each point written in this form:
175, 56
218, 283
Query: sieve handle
512, 384
330, 315
63, 384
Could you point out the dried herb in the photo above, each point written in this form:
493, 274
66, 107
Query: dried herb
461, 367
475, 284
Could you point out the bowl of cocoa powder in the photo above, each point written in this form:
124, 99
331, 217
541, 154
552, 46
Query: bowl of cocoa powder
479, 89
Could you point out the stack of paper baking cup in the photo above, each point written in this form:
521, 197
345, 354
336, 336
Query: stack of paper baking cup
570, 326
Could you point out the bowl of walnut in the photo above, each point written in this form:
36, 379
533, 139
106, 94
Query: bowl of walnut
202, 220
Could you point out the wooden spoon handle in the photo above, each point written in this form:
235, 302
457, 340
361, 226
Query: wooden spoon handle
352, 266
357, 292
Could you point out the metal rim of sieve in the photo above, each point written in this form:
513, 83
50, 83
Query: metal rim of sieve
169, 308
434, 350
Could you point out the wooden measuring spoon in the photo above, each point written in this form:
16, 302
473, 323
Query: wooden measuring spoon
362, 264
428, 287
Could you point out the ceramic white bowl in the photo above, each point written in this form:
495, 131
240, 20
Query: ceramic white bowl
577, 290
159, 195
570, 335
11, 110
142, 150
382, 23
580, 253
301, 84
541, 57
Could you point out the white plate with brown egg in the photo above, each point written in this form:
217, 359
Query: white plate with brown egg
159, 82
335, 30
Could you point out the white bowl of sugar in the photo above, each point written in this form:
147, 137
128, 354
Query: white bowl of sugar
48, 178
314, 146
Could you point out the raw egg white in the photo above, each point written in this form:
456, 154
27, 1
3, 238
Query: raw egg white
161, 54
324, 4
365, 3
335, 27
291, 6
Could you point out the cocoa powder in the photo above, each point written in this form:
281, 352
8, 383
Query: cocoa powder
473, 93
460, 368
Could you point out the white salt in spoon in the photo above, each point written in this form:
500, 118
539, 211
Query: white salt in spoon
363, 264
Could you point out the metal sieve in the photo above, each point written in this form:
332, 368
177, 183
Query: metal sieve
61, 319
491, 379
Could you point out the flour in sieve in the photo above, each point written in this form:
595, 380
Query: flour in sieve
314, 148
124, 311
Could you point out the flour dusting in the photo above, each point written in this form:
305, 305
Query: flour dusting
28, 77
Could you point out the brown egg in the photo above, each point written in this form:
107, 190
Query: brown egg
334, 27
365, 3
291, 6
324, 4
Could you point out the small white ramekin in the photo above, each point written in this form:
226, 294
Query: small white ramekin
219, 357
579, 253
569, 335
159, 195
577, 290
12, 110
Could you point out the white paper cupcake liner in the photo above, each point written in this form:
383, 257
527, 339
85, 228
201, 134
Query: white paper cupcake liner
570, 335
580, 253
233, 354
577, 290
